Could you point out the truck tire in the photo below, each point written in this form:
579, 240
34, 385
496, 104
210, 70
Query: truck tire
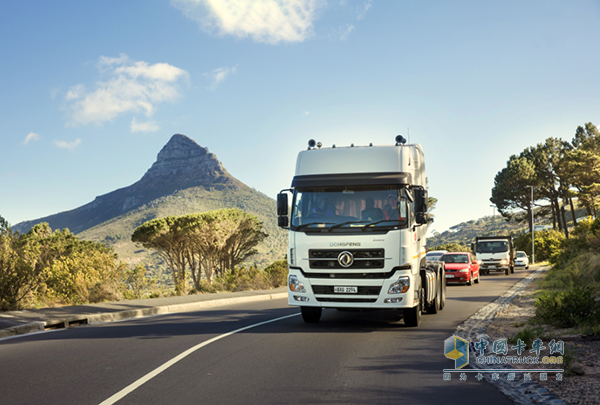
506, 271
311, 314
434, 308
412, 316
443, 300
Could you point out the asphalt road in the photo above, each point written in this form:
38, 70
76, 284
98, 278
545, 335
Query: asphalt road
348, 358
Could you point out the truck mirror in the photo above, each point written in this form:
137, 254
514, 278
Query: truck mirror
282, 204
421, 199
283, 221
422, 218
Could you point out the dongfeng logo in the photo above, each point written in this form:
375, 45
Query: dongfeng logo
345, 259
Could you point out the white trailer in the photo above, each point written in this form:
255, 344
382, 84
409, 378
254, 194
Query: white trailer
357, 232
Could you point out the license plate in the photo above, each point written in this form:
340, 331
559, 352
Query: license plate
345, 290
449, 275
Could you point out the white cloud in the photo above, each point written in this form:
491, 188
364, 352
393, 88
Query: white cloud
32, 136
361, 11
128, 87
269, 21
345, 32
149, 126
75, 92
219, 75
68, 145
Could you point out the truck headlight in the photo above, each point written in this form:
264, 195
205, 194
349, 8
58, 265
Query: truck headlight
401, 286
503, 262
295, 285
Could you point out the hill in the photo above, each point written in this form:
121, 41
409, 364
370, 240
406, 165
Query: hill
185, 179
466, 232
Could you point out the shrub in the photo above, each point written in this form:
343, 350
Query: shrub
276, 274
527, 335
574, 307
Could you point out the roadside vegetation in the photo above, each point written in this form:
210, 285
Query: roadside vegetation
566, 196
45, 268
569, 296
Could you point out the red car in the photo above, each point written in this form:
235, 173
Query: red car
461, 267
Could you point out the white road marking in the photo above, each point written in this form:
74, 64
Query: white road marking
136, 384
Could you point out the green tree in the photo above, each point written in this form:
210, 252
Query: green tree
208, 244
582, 163
511, 188
552, 181
167, 237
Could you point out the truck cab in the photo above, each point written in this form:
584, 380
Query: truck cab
497, 253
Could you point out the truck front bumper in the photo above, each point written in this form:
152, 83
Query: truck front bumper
351, 293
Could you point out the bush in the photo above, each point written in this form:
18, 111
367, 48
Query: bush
575, 307
527, 335
276, 274
548, 245
452, 247
246, 279
136, 285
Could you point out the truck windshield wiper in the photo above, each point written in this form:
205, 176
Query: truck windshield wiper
346, 223
378, 222
313, 223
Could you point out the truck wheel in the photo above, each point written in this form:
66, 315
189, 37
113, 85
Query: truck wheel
434, 308
311, 314
412, 316
443, 300
506, 271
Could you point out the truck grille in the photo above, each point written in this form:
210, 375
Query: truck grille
363, 259
351, 276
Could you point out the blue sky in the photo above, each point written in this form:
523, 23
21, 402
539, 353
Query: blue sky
91, 91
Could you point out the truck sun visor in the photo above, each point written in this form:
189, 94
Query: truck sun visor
351, 179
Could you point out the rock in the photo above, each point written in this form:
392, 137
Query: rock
182, 157
578, 369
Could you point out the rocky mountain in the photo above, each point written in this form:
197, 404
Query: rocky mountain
185, 178
181, 164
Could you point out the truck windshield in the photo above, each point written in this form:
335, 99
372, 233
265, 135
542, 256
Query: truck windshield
492, 247
346, 209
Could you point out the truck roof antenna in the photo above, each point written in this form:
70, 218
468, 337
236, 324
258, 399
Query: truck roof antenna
311, 144
400, 140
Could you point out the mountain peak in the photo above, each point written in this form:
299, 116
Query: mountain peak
183, 158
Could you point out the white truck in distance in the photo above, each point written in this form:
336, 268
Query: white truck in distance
357, 232
496, 253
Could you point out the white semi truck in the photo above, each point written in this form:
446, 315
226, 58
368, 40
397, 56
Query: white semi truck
357, 232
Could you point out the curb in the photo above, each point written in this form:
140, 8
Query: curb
88, 319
